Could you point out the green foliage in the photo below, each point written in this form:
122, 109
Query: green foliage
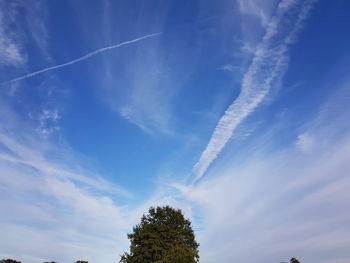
163, 236
9, 261
292, 260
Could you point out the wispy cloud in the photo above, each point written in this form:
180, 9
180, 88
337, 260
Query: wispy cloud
142, 91
36, 16
286, 202
19, 153
260, 9
52, 201
228, 67
268, 66
48, 121
22, 24
11, 53
93, 53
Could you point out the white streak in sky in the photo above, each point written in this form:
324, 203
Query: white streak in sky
81, 58
268, 65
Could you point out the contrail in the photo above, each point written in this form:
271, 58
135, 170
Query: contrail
93, 53
268, 66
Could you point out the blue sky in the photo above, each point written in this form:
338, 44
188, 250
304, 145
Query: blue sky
234, 111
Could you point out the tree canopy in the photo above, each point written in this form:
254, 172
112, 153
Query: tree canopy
293, 260
163, 236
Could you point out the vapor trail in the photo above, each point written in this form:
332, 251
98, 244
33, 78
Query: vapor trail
268, 66
93, 53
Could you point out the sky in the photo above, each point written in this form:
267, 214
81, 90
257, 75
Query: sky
234, 111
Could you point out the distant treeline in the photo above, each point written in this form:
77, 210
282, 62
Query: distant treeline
293, 260
15, 261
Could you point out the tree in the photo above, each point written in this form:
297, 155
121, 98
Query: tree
294, 260
163, 236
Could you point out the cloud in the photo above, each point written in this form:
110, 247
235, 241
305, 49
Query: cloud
290, 202
11, 51
305, 142
260, 9
20, 22
281, 203
228, 67
53, 208
32, 155
268, 66
36, 16
141, 87
48, 121
145, 86
93, 53
60, 221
